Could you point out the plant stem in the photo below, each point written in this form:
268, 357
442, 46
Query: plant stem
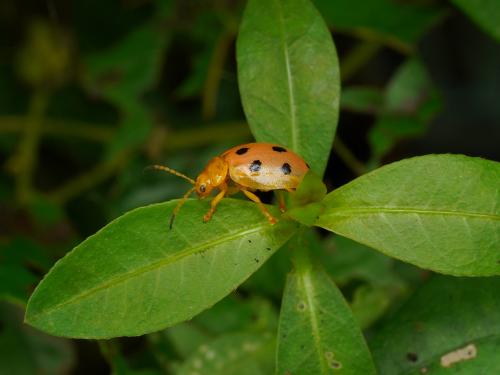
26, 156
93, 177
357, 58
385, 40
69, 128
214, 74
348, 157
232, 130
301, 259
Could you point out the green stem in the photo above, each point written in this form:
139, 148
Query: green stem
348, 157
385, 40
26, 157
56, 127
214, 75
301, 259
179, 139
358, 57
93, 177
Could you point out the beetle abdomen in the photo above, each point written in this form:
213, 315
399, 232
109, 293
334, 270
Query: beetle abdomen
265, 166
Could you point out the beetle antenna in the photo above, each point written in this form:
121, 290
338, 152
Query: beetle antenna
179, 205
170, 170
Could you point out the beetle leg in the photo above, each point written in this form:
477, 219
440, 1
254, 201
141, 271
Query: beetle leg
263, 208
214, 202
281, 200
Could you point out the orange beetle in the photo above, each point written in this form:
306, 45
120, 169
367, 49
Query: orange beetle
245, 168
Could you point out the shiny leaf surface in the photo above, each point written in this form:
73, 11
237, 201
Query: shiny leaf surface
289, 77
440, 212
137, 276
317, 333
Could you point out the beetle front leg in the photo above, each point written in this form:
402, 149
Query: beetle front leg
215, 202
263, 208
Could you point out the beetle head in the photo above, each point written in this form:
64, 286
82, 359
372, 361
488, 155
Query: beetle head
213, 175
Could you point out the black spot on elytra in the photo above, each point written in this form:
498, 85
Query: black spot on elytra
268, 248
256, 260
279, 149
286, 169
412, 357
249, 241
255, 166
242, 150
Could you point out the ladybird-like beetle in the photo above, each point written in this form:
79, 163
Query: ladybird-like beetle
245, 168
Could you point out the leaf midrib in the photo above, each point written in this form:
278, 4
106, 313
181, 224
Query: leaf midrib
408, 210
291, 91
207, 246
309, 291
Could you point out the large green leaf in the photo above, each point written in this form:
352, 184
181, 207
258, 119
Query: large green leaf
317, 333
440, 212
450, 326
485, 13
289, 77
137, 276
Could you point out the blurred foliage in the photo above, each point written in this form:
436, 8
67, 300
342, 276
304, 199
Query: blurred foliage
92, 92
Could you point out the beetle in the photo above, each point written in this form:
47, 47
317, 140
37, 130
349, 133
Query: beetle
246, 168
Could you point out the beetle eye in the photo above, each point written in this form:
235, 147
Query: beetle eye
202, 188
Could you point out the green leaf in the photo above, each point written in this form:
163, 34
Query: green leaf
19, 259
289, 77
317, 332
362, 99
347, 260
369, 303
136, 276
311, 189
485, 13
397, 22
411, 101
304, 202
445, 315
233, 354
439, 212
184, 337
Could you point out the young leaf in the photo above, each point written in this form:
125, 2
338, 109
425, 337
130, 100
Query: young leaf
439, 212
289, 77
450, 326
317, 333
362, 99
304, 202
136, 276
